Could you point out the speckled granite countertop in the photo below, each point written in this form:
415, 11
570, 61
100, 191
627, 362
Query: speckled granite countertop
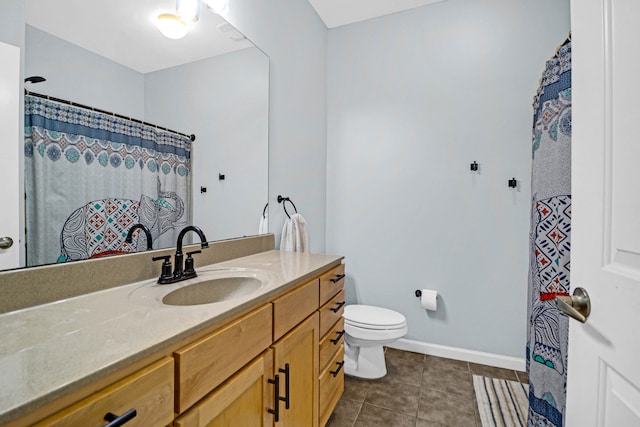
49, 350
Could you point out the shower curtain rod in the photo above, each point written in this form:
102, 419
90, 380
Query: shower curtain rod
192, 137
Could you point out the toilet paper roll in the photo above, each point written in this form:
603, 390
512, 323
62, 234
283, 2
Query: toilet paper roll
429, 299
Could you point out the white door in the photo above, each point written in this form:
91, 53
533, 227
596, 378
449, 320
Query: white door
9, 157
604, 353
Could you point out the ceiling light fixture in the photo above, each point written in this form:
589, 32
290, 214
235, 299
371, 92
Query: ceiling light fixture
175, 26
171, 26
188, 10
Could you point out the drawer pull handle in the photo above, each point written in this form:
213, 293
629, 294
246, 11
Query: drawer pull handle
117, 421
337, 340
276, 400
285, 371
338, 306
337, 278
337, 371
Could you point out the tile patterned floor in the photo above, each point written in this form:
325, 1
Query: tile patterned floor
418, 391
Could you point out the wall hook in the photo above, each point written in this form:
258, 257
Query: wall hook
418, 293
513, 183
474, 166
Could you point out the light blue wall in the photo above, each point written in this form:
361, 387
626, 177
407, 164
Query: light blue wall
294, 37
413, 99
82, 76
224, 101
12, 21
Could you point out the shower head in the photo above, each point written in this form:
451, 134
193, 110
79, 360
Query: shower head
35, 79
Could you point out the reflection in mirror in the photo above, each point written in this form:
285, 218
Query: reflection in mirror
110, 56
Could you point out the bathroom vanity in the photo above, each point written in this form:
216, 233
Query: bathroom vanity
272, 356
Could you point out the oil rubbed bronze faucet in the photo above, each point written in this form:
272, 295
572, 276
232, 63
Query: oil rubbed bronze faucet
183, 269
146, 231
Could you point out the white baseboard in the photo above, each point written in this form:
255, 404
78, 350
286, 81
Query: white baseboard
480, 357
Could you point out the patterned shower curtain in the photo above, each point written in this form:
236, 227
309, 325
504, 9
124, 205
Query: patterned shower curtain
90, 176
550, 242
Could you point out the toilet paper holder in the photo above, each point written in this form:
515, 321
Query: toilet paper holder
428, 299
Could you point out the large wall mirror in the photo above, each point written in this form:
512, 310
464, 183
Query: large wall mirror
212, 83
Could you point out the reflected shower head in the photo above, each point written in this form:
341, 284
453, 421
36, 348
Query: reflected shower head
35, 79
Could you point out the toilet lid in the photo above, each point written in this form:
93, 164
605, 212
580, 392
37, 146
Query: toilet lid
371, 317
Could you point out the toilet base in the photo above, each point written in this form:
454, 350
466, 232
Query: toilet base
364, 362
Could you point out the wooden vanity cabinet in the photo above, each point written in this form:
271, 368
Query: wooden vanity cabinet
248, 397
331, 283
296, 363
208, 362
331, 378
242, 400
331, 343
208, 393
293, 307
296, 358
331, 385
331, 313
227, 377
149, 391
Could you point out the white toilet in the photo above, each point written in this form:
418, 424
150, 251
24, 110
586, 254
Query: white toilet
367, 329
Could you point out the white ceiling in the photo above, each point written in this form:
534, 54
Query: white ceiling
125, 32
335, 13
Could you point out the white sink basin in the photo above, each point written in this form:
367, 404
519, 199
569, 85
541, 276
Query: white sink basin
210, 287
213, 290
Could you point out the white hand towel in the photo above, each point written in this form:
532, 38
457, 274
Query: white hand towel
295, 234
264, 224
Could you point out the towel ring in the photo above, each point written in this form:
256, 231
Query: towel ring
264, 211
286, 199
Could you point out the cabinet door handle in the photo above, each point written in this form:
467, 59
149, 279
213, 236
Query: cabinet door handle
337, 371
285, 371
337, 278
117, 421
338, 306
337, 340
276, 400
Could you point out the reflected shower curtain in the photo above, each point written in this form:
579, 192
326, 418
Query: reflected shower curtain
90, 176
550, 236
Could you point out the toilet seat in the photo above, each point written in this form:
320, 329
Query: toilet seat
373, 318
374, 327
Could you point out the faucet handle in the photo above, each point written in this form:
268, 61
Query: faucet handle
188, 263
166, 268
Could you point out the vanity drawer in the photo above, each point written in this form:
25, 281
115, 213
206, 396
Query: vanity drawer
331, 386
331, 283
331, 343
294, 307
148, 391
206, 363
242, 400
331, 312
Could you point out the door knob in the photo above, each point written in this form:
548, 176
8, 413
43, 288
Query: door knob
6, 242
577, 306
